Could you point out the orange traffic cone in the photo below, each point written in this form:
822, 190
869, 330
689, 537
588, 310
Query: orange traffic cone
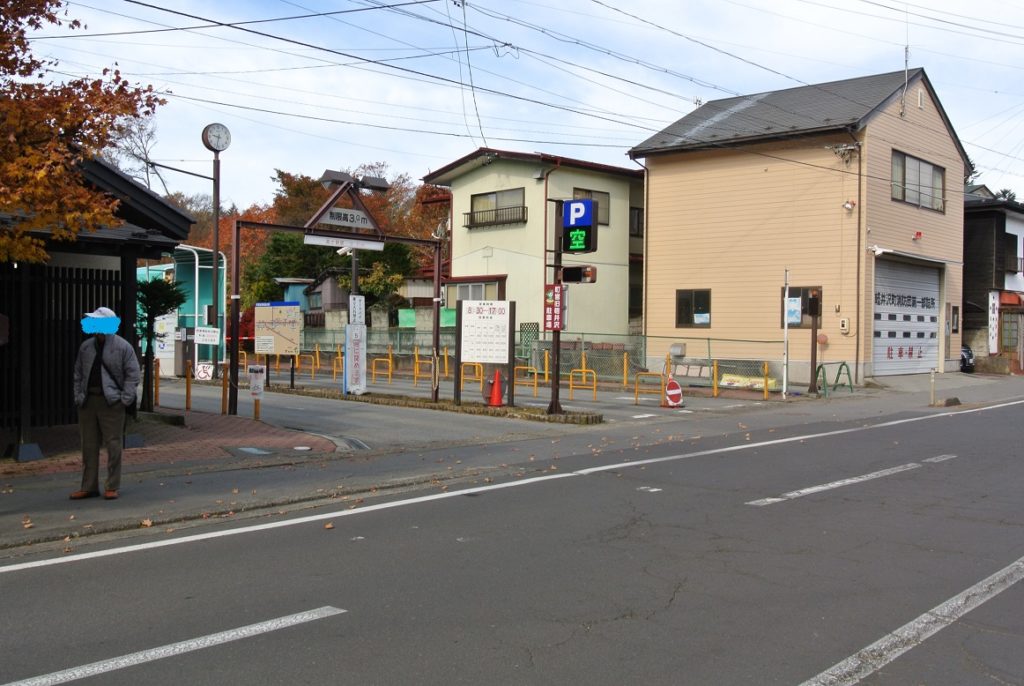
496, 394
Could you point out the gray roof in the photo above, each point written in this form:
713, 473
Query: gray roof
780, 114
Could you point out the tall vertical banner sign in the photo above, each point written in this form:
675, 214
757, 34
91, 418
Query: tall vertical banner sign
553, 307
355, 359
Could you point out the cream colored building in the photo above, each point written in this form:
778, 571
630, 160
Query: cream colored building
855, 188
503, 224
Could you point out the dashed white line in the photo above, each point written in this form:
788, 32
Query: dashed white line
643, 416
886, 649
846, 482
132, 659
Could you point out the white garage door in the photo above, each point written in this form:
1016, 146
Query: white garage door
906, 319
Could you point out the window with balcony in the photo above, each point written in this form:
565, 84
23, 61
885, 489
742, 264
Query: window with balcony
918, 182
604, 202
497, 208
693, 309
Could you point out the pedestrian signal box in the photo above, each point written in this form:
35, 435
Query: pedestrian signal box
581, 274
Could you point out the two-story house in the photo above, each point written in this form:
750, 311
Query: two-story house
994, 282
503, 227
853, 188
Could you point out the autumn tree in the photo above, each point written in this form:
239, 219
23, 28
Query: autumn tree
49, 127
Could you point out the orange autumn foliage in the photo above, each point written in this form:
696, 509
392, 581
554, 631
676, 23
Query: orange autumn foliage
47, 128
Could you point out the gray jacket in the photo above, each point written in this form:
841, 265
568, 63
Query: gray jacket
119, 360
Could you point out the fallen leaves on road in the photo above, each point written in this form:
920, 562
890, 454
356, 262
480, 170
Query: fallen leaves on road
146, 523
26, 522
329, 525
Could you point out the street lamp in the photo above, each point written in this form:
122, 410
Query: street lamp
216, 137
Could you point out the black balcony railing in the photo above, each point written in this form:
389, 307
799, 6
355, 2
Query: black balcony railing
1014, 264
495, 217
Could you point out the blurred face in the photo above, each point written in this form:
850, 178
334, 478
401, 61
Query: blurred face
100, 325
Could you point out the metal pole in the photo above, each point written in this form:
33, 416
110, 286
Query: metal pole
215, 300
555, 407
436, 333
813, 387
236, 300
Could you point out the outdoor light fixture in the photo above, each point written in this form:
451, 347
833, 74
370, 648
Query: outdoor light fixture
331, 177
849, 205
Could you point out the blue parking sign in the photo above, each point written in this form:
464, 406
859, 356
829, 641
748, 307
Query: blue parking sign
578, 213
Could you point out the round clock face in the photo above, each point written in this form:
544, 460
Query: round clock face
216, 137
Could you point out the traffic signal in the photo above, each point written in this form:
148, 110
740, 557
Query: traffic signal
581, 274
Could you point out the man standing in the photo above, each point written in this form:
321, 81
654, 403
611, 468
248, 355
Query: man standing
106, 377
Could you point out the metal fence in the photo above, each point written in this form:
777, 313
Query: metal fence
612, 357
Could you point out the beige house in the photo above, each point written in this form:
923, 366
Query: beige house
503, 224
854, 188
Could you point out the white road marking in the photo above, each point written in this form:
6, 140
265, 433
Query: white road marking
639, 416
684, 411
846, 482
886, 649
649, 489
938, 458
479, 489
132, 659
834, 484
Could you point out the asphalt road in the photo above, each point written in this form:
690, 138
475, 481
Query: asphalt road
768, 557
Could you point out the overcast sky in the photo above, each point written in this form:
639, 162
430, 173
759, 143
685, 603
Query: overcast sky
418, 84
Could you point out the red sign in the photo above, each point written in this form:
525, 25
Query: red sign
553, 307
673, 393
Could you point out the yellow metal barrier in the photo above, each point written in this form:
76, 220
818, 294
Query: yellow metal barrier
312, 364
387, 362
446, 370
478, 374
528, 379
625, 371
338, 363
418, 363
714, 379
653, 375
547, 357
584, 374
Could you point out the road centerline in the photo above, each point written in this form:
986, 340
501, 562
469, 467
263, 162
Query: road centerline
179, 648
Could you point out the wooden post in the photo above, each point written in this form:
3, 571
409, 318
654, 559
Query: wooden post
188, 385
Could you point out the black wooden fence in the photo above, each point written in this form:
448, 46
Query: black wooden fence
45, 306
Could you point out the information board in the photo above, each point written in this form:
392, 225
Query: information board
278, 328
485, 331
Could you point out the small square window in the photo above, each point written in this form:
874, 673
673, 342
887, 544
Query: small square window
693, 309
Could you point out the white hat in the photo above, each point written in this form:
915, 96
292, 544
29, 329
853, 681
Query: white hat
101, 312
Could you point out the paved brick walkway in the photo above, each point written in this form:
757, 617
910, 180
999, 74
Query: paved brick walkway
204, 437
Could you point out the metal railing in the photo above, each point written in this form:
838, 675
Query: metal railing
500, 215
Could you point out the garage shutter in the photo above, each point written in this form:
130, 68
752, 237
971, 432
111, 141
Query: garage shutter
906, 339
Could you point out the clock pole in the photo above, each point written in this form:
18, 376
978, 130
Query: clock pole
215, 300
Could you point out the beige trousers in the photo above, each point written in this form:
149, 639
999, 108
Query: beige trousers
101, 425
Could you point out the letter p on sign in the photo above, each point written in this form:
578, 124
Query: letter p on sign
578, 213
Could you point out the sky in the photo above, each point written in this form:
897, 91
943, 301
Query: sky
334, 84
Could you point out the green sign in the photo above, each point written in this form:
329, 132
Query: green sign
579, 239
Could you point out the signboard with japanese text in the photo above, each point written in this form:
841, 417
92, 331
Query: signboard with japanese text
257, 378
553, 307
357, 309
278, 327
355, 359
485, 331
349, 218
579, 228
207, 335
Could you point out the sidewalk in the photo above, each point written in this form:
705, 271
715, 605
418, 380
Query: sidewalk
203, 437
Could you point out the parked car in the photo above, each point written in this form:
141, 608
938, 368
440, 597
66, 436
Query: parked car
966, 359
